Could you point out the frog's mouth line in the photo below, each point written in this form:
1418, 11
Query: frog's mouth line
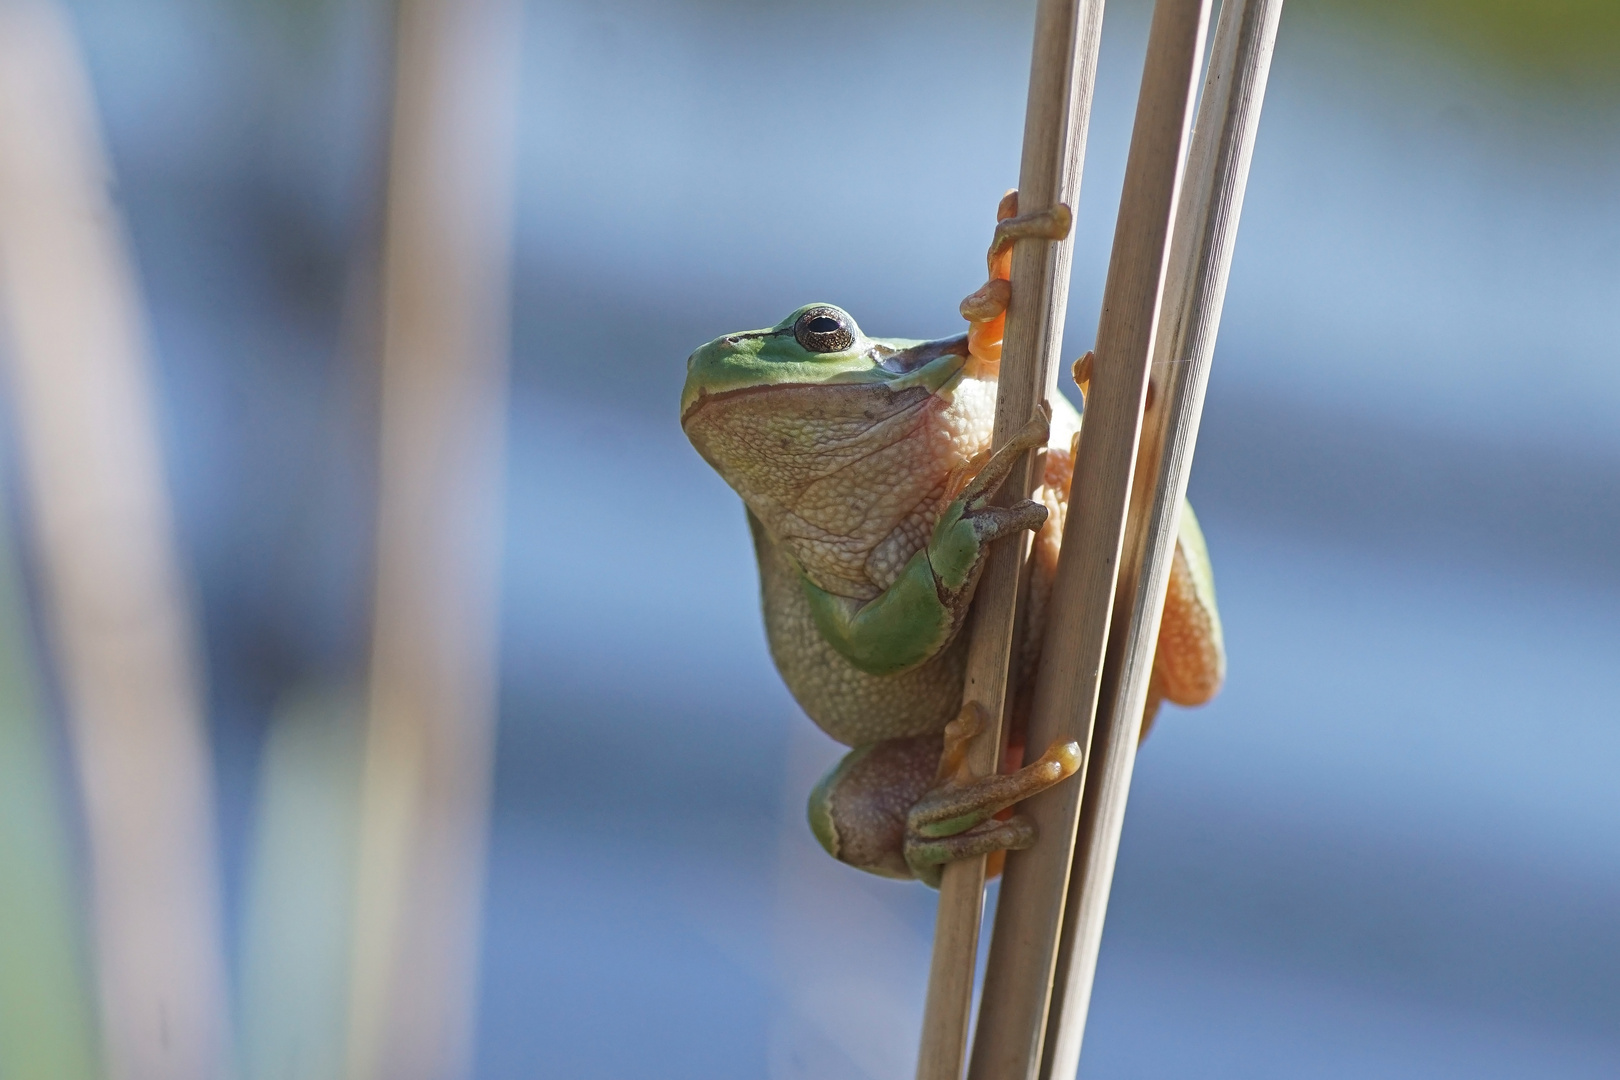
720, 397
893, 361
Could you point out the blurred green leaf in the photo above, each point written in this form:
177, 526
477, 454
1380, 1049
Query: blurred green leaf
1568, 41
297, 928
47, 1021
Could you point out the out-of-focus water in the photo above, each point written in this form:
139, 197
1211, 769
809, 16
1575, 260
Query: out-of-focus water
1390, 848
1390, 840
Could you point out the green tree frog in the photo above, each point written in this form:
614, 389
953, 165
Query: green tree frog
866, 470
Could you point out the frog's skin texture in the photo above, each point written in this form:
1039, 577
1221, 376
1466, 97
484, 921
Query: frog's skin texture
865, 468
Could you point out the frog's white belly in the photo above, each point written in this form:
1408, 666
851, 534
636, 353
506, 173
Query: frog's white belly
855, 707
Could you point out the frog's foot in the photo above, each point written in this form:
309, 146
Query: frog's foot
956, 819
985, 309
971, 522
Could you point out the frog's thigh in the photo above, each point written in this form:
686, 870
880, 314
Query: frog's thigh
858, 810
1190, 661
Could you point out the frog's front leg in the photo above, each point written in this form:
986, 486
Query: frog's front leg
986, 308
919, 614
905, 807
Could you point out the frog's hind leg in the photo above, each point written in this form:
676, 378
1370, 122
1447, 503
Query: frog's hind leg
1189, 663
905, 807
858, 810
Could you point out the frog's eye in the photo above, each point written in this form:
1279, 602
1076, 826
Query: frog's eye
824, 330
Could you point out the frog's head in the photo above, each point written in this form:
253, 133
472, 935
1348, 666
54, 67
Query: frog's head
808, 391
817, 345
846, 435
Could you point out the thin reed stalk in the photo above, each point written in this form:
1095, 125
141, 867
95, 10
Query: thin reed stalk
120, 630
431, 715
1023, 952
1063, 71
1200, 260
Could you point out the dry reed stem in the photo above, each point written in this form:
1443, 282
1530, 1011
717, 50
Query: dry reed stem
1200, 260
430, 726
1063, 72
1023, 952
120, 628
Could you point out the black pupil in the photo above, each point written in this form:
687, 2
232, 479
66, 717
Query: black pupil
823, 330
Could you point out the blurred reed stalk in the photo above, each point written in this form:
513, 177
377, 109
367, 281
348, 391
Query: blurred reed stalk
1063, 71
1205, 234
1029, 916
118, 620
431, 714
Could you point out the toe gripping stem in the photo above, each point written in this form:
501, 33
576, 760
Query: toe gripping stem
956, 819
992, 298
992, 522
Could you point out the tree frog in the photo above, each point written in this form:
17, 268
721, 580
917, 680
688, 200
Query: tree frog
866, 470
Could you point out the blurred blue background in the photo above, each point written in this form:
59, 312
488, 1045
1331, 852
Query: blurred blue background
1390, 848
